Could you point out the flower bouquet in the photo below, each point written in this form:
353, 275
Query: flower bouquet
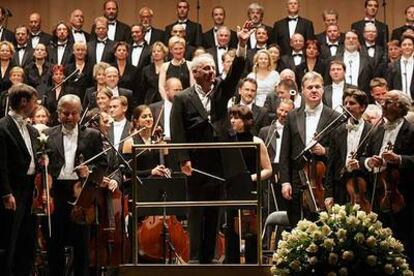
344, 241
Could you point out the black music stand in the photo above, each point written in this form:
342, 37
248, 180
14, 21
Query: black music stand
240, 187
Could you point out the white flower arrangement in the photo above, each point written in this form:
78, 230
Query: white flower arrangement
344, 241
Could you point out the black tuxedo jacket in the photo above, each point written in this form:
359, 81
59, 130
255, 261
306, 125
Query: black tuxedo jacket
334, 183
190, 122
280, 32
8, 35
125, 133
89, 145
326, 52
144, 59
293, 142
107, 55
269, 134
327, 94
365, 72
87, 36
14, 157
321, 38
53, 53
269, 33
397, 33
122, 32
156, 35
27, 56
213, 52
209, 42
378, 61
44, 38
289, 62
260, 119
382, 31
156, 110
395, 78
193, 32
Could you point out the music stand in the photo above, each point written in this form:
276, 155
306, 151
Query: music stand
153, 190
240, 187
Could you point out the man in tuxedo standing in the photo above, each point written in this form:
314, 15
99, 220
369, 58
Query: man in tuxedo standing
17, 173
36, 34
5, 34
60, 51
255, 13
223, 41
119, 128
375, 53
298, 132
117, 30
218, 15
76, 23
193, 30
69, 143
330, 17
111, 81
152, 34
24, 51
140, 52
409, 24
284, 29
199, 114
371, 10
296, 55
100, 48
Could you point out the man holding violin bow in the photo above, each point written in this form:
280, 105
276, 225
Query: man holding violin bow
344, 183
390, 157
68, 144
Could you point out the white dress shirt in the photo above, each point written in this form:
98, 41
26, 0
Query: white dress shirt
337, 93
333, 46
79, 36
312, 120
61, 51
147, 36
407, 74
220, 53
136, 53
70, 145
111, 30
167, 113
100, 47
279, 129
118, 129
351, 61
292, 25
353, 137
204, 98
115, 91
35, 39
370, 49
21, 54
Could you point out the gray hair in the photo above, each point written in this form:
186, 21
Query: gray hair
227, 29
255, 6
403, 100
68, 98
201, 60
312, 75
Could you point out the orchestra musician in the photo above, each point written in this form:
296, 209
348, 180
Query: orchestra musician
346, 140
400, 133
68, 143
17, 174
298, 132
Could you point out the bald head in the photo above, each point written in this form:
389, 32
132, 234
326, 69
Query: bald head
35, 22
172, 87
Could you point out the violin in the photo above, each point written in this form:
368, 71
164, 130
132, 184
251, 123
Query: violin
313, 197
42, 201
391, 199
356, 187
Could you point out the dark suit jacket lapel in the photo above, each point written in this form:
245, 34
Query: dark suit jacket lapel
15, 132
111, 133
195, 101
323, 120
400, 142
300, 122
58, 141
328, 95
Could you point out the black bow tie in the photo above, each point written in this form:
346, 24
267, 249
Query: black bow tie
35, 35
371, 47
61, 44
101, 41
78, 31
222, 47
138, 45
182, 22
21, 48
297, 55
369, 21
111, 23
292, 19
333, 45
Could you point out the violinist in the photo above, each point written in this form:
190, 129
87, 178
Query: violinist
299, 130
346, 141
398, 132
68, 143
17, 174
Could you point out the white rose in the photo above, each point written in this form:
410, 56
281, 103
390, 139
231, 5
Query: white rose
341, 233
371, 241
313, 260
359, 238
328, 244
371, 260
389, 269
333, 258
348, 255
295, 265
312, 248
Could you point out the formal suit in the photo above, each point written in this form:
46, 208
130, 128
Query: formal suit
190, 123
214, 52
395, 78
44, 38
327, 94
321, 38
125, 133
260, 119
336, 175
107, 55
86, 34
378, 61
289, 62
155, 35
193, 33
18, 228
364, 75
27, 56
293, 142
397, 33
53, 53
145, 57
209, 41
64, 230
268, 30
402, 222
382, 31
280, 32
122, 32
326, 51
8, 35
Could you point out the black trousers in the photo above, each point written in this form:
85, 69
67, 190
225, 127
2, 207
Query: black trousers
67, 233
18, 233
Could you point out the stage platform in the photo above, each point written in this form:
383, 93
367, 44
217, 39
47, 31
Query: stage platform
194, 270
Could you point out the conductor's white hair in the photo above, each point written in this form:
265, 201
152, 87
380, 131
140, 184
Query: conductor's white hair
201, 60
69, 98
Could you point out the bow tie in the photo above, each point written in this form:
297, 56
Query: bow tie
369, 21
20, 121
371, 47
351, 127
297, 55
310, 112
101, 41
292, 19
61, 45
35, 35
111, 23
182, 22
21, 48
138, 45
67, 132
78, 31
222, 47
333, 45
391, 126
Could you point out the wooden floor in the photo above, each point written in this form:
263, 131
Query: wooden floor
194, 270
